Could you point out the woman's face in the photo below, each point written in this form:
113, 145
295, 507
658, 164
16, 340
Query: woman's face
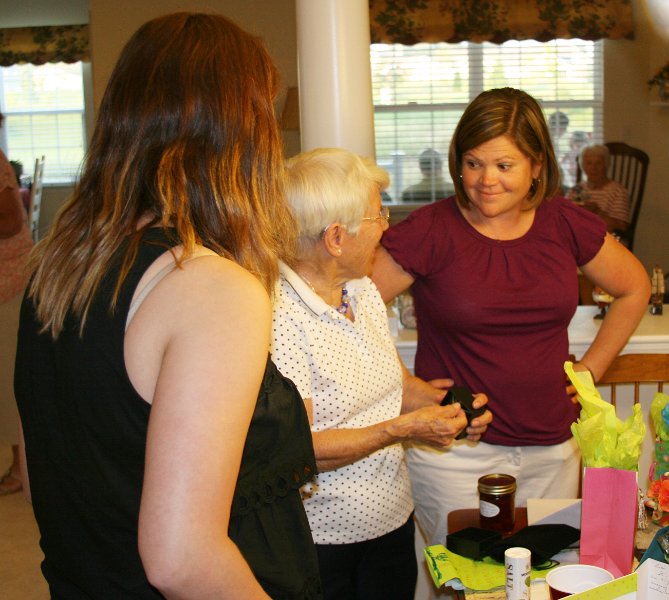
497, 176
358, 253
594, 167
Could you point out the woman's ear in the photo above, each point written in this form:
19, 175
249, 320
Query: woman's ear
536, 168
333, 238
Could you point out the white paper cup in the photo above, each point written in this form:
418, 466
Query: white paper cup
572, 579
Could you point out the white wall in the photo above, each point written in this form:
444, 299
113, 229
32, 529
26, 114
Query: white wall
112, 23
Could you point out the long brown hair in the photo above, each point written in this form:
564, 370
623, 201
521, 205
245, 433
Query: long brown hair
517, 115
187, 135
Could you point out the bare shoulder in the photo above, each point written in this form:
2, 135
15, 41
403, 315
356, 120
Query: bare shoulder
209, 311
216, 271
211, 288
202, 286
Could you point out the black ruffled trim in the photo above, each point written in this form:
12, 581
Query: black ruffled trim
266, 487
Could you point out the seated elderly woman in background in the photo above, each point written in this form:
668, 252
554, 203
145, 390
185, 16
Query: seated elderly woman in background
599, 194
330, 336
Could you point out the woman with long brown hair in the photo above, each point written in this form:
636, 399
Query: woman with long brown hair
164, 451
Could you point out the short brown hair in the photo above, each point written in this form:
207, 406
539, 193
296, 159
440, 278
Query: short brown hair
517, 115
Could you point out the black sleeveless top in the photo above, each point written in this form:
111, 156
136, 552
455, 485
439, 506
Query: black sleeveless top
85, 430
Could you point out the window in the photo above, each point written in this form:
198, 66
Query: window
420, 92
44, 114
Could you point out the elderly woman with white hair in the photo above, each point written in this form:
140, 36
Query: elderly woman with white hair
330, 336
606, 198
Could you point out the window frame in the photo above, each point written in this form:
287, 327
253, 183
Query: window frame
475, 57
85, 113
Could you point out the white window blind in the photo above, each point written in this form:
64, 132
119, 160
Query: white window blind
43, 107
420, 92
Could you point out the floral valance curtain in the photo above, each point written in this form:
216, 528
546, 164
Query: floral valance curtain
38, 45
412, 21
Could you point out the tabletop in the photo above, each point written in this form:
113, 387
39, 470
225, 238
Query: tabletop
469, 517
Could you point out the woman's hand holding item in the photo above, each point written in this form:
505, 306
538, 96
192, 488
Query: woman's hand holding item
571, 390
431, 424
434, 425
417, 393
478, 426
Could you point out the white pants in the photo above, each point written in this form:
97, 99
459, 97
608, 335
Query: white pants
446, 480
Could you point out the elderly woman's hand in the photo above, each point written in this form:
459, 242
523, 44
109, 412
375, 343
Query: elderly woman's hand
434, 425
418, 393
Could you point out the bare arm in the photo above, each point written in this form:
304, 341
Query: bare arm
435, 425
389, 277
426, 422
620, 273
422, 419
197, 350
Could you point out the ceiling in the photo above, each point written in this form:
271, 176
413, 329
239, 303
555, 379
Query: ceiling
30, 13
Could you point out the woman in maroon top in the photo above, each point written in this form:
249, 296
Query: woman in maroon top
493, 271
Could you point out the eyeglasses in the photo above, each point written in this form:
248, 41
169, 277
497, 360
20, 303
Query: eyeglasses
384, 213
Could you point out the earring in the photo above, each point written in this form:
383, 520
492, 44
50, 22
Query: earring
339, 251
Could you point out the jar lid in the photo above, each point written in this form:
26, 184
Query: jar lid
497, 483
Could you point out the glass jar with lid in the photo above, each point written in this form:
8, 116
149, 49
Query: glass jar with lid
497, 506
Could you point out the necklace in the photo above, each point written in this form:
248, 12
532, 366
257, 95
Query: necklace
345, 299
311, 285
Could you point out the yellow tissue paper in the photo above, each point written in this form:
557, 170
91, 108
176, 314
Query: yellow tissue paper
604, 439
659, 412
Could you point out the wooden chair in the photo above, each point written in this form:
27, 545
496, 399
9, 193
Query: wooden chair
636, 369
36, 198
628, 166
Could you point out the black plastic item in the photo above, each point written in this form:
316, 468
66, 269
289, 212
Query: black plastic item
463, 395
472, 542
543, 541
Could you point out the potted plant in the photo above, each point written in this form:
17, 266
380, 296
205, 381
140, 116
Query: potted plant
661, 80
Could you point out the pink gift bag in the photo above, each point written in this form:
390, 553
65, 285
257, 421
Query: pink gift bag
609, 519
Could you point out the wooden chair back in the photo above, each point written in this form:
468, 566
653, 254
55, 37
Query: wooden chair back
36, 198
628, 166
637, 369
